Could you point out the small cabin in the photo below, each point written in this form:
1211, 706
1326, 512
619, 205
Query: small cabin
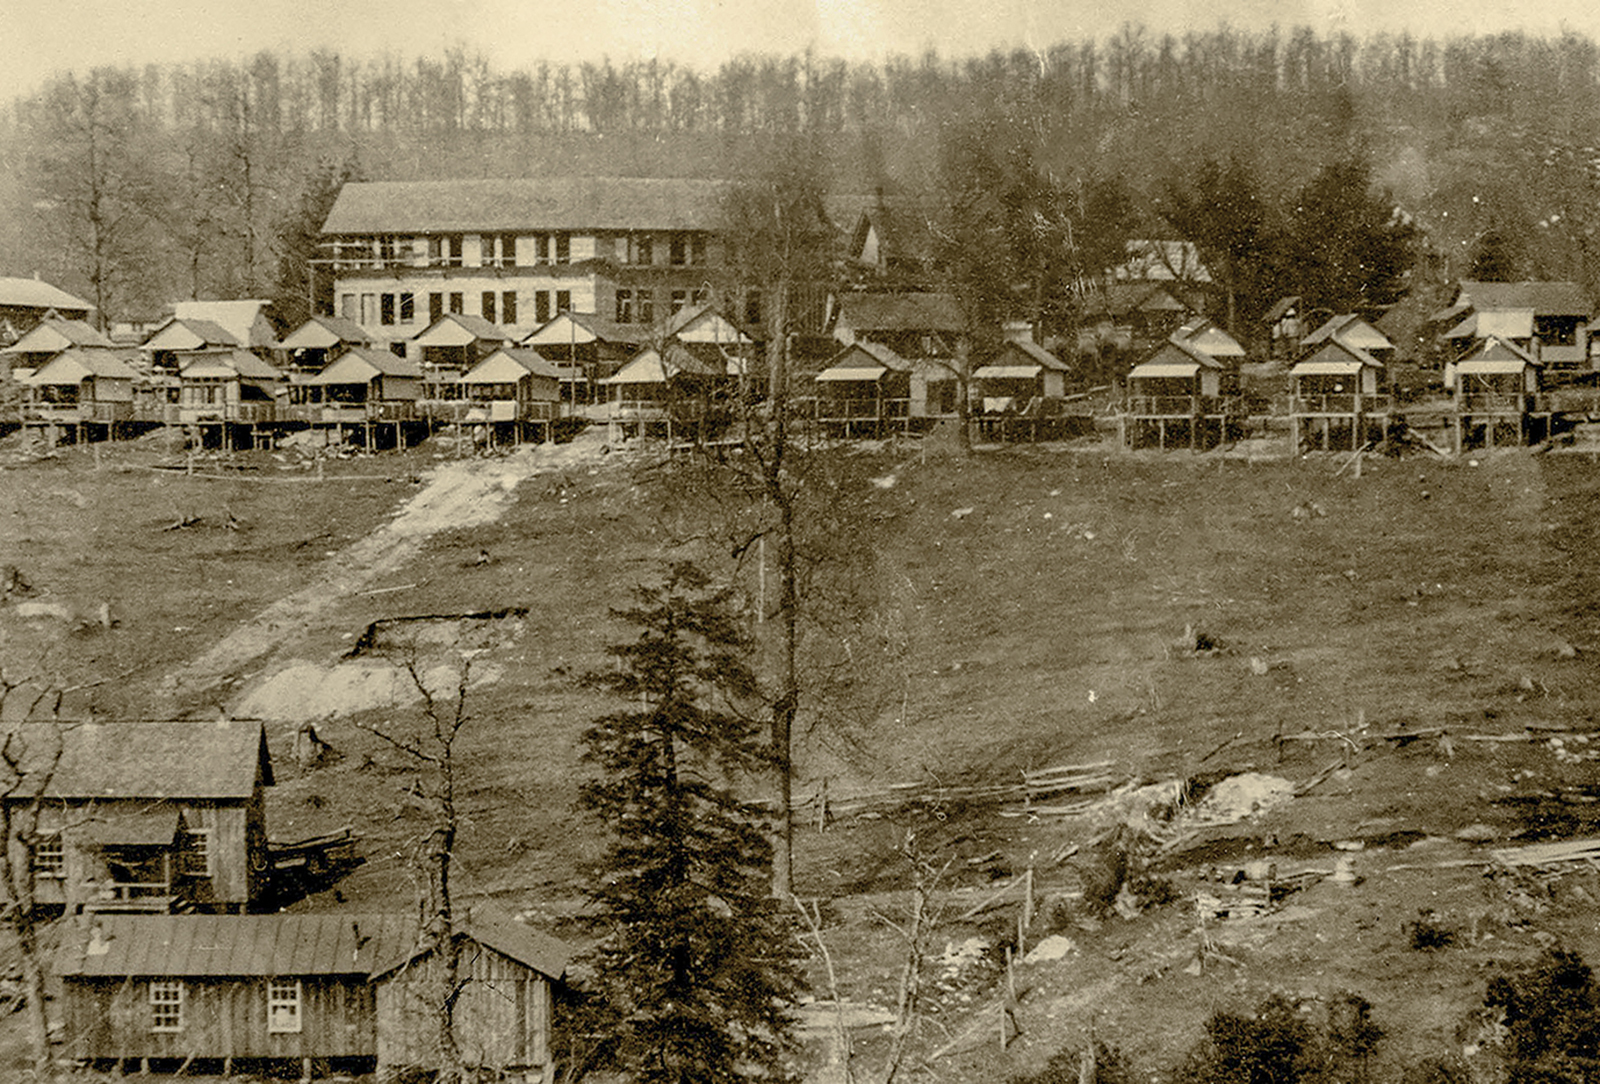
1019, 388
310, 347
48, 338
1180, 396
865, 391
667, 391
365, 384
586, 348
351, 993
1338, 398
1353, 329
1494, 391
86, 388
1548, 319
169, 343
147, 816
226, 386
449, 347
513, 391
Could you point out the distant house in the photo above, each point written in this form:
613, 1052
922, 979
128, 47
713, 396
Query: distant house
1548, 319
1354, 330
147, 816
365, 385
24, 302
449, 347
1154, 260
1339, 398
668, 391
913, 325
246, 320
865, 390
319, 340
514, 390
704, 324
351, 990
1122, 312
227, 386
87, 388
1021, 372
48, 338
1494, 390
587, 348
1180, 396
891, 240
177, 337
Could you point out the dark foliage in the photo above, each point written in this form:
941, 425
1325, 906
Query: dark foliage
1066, 1067
696, 962
1426, 933
1278, 1044
1351, 246
302, 287
1551, 1011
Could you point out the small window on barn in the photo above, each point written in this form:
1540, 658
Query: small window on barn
408, 308
283, 1006
49, 857
166, 1005
194, 859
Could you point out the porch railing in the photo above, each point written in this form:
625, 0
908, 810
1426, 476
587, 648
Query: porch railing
1341, 403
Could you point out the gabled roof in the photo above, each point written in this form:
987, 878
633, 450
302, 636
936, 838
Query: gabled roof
1544, 298
1176, 354
79, 363
1337, 351
579, 328
505, 935
1203, 334
18, 293
902, 231
702, 323
1494, 348
459, 329
198, 364
1501, 323
1122, 299
55, 333
1351, 328
534, 204
508, 365
363, 364
868, 357
1156, 260
191, 946
323, 332
1036, 355
901, 312
244, 319
182, 334
652, 366
149, 760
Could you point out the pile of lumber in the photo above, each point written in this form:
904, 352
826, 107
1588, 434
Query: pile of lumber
1549, 854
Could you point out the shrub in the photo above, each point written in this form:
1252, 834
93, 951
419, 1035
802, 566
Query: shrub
1551, 1013
1426, 933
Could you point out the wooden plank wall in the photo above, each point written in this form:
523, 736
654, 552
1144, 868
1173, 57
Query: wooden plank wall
110, 1018
502, 1015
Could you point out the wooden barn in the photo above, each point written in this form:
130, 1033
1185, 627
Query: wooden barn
88, 390
147, 816
1022, 388
668, 392
865, 391
1495, 396
1338, 398
514, 393
1180, 396
338, 993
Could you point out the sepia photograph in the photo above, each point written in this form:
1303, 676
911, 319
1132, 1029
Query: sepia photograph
800, 542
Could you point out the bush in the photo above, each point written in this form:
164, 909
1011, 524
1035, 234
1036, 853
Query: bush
1426, 933
1064, 1065
1279, 1045
1551, 1013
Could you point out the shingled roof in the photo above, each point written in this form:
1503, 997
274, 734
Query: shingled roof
17, 293
150, 759
535, 203
901, 312
1544, 298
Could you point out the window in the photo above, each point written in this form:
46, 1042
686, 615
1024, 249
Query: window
435, 307
541, 306
647, 307
563, 248
508, 250
680, 249
408, 308
369, 305
488, 306
283, 1006
680, 298
386, 309
508, 307
624, 306
387, 249
458, 304
563, 300
166, 1005
541, 248
644, 249
454, 259
194, 857
697, 249
49, 857
347, 306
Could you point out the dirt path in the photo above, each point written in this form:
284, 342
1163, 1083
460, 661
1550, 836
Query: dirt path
467, 493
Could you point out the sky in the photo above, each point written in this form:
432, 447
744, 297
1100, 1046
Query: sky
42, 37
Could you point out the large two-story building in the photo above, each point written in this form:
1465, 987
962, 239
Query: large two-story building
633, 250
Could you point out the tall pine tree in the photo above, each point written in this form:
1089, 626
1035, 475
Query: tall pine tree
696, 963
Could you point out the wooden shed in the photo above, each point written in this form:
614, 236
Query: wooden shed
1351, 328
446, 349
227, 386
514, 392
146, 816
1180, 395
1495, 390
865, 391
334, 992
1338, 398
88, 389
366, 391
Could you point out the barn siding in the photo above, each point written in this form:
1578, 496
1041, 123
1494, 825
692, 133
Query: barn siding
502, 1015
222, 1018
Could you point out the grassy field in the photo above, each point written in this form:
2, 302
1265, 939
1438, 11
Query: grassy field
1023, 608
